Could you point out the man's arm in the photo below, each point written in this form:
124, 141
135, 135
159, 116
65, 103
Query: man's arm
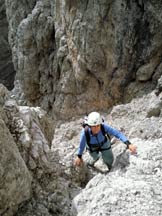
79, 161
120, 136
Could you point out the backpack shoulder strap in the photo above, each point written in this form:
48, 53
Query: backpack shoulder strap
103, 129
104, 132
87, 135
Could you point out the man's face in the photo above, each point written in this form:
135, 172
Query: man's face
95, 129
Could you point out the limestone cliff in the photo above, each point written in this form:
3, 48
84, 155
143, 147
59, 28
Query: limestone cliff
74, 56
71, 57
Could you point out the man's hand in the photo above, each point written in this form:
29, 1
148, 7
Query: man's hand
78, 161
132, 148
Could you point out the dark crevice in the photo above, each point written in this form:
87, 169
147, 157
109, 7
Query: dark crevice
99, 81
140, 5
114, 72
86, 4
156, 67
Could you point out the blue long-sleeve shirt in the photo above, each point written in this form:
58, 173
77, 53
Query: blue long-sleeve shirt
99, 137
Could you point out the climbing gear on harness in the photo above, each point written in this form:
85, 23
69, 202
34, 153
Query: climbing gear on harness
97, 147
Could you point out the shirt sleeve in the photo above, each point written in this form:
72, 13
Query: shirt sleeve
114, 132
82, 143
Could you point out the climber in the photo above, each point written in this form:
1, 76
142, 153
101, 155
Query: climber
95, 136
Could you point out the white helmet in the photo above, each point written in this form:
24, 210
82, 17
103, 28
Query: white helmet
94, 118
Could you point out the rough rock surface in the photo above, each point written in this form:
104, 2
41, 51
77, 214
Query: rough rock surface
72, 56
32, 180
135, 179
135, 191
47, 155
15, 178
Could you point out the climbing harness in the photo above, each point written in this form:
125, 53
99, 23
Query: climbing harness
97, 147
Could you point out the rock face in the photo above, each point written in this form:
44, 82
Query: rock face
133, 189
32, 180
7, 72
136, 191
74, 56
14, 176
42, 159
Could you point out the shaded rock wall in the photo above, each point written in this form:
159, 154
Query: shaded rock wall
74, 56
7, 72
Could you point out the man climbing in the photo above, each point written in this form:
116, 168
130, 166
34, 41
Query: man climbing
95, 136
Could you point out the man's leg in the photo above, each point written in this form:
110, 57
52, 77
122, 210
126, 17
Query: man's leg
94, 156
108, 158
